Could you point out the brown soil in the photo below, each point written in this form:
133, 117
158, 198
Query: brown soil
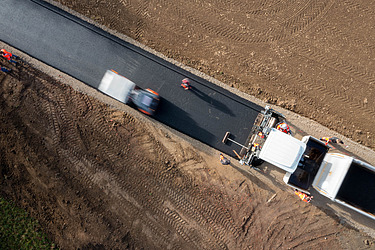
312, 57
96, 177
99, 178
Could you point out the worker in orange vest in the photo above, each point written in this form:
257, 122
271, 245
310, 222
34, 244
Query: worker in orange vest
224, 160
9, 56
303, 196
283, 127
186, 84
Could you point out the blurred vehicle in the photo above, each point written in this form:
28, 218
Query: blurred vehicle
126, 91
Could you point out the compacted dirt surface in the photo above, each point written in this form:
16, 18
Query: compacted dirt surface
102, 178
99, 178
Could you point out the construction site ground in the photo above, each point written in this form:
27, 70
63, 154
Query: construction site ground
104, 176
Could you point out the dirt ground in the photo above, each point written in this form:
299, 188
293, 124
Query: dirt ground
315, 58
96, 177
99, 178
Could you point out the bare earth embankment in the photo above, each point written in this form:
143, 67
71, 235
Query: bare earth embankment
98, 177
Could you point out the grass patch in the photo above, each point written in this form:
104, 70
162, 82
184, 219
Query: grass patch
19, 231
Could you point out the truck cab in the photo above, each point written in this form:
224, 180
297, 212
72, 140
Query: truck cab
307, 163
300, 159
126, 91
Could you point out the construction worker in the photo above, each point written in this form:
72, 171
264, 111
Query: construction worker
9, 56
283, 127
224, 160
186, 84
331, 140
304, 197
5, 70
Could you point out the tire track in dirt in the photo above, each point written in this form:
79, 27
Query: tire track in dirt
63, 122
179, 197
2, 79
283, 222
298, 21
90, 173
208, 209
357, 6
141, 10
345, 68
262, 8
342, 36
311, 53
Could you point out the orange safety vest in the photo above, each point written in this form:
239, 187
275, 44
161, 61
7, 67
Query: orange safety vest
6, 54
326, 139
303, 196
221, 157
278, 127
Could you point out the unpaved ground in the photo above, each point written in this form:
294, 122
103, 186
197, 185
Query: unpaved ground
315, 58
99, 178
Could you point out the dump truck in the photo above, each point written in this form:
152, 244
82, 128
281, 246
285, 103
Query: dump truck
126, 91
308, 163
347, 181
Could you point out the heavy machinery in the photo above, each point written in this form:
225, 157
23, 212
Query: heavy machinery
265, 121
126, 91
307, 163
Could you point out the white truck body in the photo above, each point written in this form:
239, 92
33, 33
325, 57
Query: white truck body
341, 178
282, 150
347, 181
331, 174
307, 163
116, 86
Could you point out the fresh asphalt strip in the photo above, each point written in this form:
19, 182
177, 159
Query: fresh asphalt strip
85, 52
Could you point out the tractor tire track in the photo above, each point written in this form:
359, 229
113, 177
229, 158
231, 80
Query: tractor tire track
92, 174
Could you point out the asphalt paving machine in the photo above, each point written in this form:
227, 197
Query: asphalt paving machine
266, 120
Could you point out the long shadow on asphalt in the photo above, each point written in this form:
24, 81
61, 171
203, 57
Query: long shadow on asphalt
176, 118
215, 103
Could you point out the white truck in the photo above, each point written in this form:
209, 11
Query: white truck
126, 91
307, 163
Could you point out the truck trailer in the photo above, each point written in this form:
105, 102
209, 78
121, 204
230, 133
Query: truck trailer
308, 163
347, 181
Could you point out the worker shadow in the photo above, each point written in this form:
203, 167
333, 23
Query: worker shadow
251, 176
176, 118
212, 101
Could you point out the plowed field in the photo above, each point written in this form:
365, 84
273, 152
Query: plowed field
314, 57
96, 177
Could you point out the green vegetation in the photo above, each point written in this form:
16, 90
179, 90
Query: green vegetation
18, 230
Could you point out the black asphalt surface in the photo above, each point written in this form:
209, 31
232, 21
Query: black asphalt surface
85, 52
